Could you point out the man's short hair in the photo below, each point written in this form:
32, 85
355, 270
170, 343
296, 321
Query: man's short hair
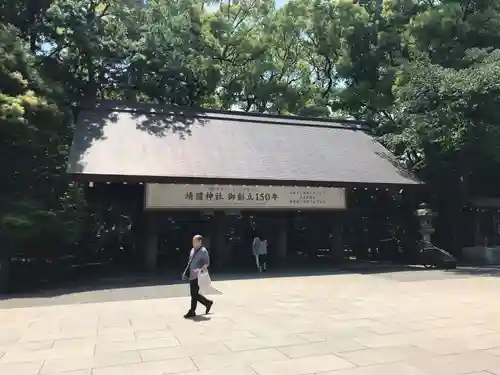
198, 237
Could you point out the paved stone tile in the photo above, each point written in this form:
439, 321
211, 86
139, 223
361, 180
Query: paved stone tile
111, 322
173, 366
385, 369
444, 346
397, 327
33, 345
348, 332
384, 355
494, 371
314, 336
31, 336
461, 345
319, 348
238, 370
67, 348
148, 323
457, 364
183, 351
301, 366
242, 358
8, 337
260, 343
25, 368
163, 342
77, 332
153, 334
82, 344
83, 363
10, 342
460, 331
494, 351
233, 337
77, 372
317, 324
116, 334
40, 355
380, 341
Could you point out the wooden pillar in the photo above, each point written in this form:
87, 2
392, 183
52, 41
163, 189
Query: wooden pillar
219, 243
282, 237
150, 241
478, 238
337, 239
4, 269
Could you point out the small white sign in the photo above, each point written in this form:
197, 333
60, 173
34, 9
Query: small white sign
238, 197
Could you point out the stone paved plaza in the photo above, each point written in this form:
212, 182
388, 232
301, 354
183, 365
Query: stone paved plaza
400, 323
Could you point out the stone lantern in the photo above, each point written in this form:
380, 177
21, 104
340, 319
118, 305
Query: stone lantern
425, 216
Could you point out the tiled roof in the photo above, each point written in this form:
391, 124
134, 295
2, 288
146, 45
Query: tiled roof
137, 142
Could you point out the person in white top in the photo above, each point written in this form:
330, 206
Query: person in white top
259, 250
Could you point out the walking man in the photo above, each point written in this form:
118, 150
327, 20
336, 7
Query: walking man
199, 261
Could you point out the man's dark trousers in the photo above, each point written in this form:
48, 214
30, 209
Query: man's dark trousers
196, 296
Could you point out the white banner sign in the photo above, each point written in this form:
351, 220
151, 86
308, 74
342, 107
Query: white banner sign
173, 196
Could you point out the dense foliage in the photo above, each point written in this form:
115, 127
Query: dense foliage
425, 73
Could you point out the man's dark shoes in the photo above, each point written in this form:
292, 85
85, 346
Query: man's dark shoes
208, 307
189, 315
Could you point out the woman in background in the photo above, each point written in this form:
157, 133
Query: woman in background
259, 250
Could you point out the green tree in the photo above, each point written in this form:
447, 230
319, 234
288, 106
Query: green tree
446, 118
26, 16
236, 42
170, 62
34, 138
88, 45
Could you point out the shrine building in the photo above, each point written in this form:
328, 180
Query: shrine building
218, 164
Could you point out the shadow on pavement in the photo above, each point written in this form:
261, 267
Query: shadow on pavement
168, 285
128, 286
98, 294
200, 319
491, 271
